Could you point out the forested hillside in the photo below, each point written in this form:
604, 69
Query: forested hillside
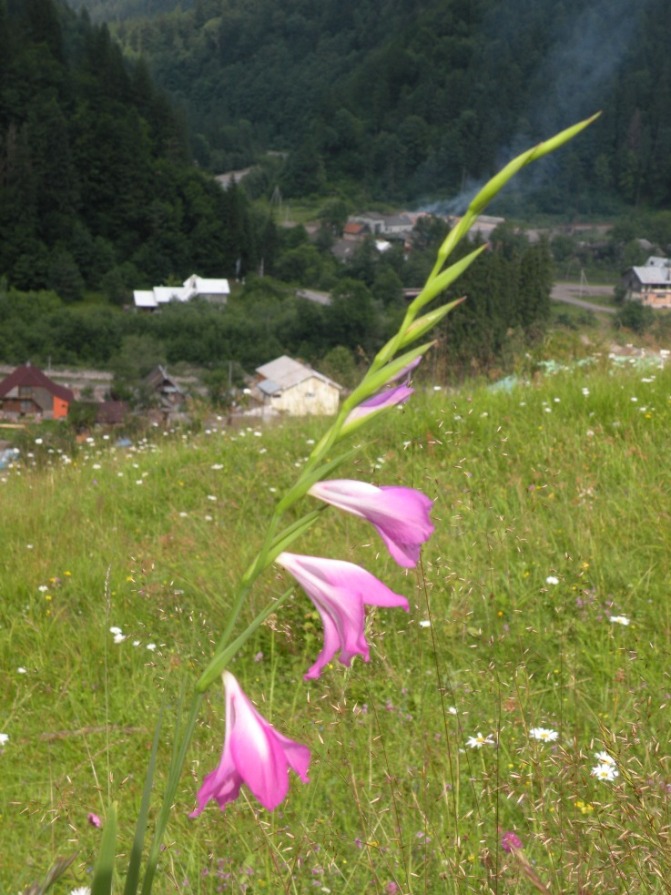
416, 100
97, 188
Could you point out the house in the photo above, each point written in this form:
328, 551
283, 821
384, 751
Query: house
650, 283
212, 290
355, 230
289, 387
165, 389
28, 392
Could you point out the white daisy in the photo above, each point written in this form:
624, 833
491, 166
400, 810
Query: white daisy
606, 772
544, 734
478, 741
619, 619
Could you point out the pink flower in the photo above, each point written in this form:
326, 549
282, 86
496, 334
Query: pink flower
389, 396
94, 820
401, 515
254, 753
339, 590
510, 841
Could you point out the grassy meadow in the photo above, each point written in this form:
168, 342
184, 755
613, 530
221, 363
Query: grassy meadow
538, 637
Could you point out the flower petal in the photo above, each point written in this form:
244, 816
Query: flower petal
400, 515
339, 591
254, 753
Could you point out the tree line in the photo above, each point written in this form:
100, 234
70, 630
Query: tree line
508, 289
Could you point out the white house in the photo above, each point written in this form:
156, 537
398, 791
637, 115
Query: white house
650, 283
292, 388
216, 291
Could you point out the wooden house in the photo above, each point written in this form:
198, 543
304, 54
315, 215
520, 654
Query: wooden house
292, 388
650, 283
28, 392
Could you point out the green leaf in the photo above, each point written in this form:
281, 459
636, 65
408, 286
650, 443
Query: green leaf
103, 873
424, 324
133, 874
306, 482
439, 282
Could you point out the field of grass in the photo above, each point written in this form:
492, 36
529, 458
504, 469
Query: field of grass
541, 603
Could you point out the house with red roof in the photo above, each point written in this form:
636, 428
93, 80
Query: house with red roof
28, 392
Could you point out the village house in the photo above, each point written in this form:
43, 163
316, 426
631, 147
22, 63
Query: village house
286, 386
212, 290
28, 392
650, 283
165, 390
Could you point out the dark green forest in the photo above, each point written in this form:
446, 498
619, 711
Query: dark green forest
97, 188
411, 100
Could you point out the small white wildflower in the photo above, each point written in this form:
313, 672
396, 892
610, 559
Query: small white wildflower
21, 670
4, 737
119, 638
478, 741
217, 466
552, 579
425, 623
544, 734
81, 890
151, 647
452, 710
606, 772
619, 620
115, 630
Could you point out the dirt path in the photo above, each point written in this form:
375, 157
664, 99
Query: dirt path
578, 294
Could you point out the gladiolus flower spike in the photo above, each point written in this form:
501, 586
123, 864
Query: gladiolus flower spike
339, 591
400, 515
254, 754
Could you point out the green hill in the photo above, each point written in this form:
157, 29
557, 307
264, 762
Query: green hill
541, 604
417, 100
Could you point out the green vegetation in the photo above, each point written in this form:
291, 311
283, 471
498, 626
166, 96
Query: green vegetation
97, 190
264, 318
404, 101
549, 513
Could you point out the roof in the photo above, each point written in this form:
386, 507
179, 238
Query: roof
284, 372
192, 287
655, 272
204, 286
27, 376
144, 298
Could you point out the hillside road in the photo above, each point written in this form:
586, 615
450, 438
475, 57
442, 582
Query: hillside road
578, 294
